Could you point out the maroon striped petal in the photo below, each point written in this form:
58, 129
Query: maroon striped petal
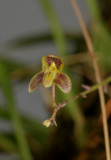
36, 80
49, 59
63, 82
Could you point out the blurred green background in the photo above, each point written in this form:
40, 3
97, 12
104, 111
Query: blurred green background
29, 30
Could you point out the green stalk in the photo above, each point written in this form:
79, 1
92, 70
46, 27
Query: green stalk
55, 26
6, 144
16, 121
92, 89
100, 35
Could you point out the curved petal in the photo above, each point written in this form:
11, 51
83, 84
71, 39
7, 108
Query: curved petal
36, 80
63, 82
49, 59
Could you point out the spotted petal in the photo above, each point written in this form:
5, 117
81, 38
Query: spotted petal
36, 80
49, 59
63, 82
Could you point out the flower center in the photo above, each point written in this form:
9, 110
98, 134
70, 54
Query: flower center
50, 74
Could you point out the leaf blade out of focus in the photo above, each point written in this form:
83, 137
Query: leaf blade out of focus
8, 93
7, 145
100, 35
34, 127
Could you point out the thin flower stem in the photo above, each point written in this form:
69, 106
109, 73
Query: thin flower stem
52, 119
53, 95
82, 94
97, 75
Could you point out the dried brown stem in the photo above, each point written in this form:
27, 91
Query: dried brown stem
97, 75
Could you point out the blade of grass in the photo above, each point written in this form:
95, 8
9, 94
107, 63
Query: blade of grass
34, 127
55, 26
17, 124
6, 144
100, 34
12, 65
27, 41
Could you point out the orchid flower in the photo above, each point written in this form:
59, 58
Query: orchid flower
51, 73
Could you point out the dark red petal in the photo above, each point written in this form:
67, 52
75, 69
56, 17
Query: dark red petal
63, 82
53, 58
36, 80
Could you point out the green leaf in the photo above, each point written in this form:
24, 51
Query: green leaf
32, 126
6, 144
100, 35
16, 121
57, 31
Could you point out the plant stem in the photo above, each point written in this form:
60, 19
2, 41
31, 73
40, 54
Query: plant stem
84, 93
97, 75
53, 95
